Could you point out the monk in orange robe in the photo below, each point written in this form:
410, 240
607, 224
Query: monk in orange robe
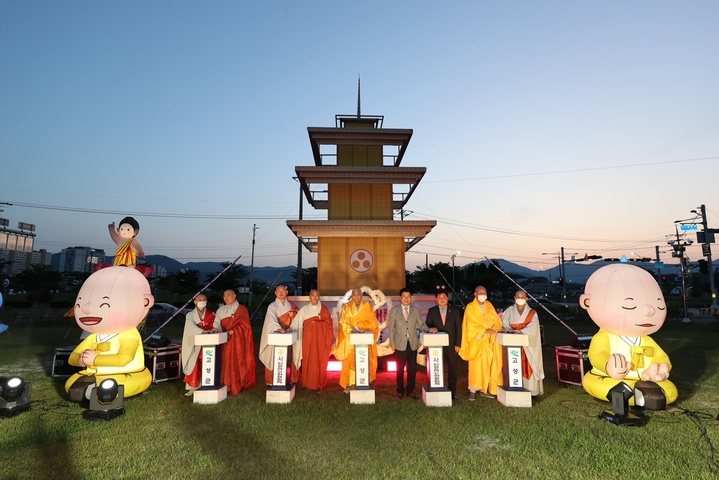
357, 315
238, 354
479, 346
315, 332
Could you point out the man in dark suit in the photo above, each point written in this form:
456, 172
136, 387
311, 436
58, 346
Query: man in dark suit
448, 319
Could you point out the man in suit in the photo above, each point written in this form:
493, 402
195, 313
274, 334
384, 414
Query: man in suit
404, 320
448, 319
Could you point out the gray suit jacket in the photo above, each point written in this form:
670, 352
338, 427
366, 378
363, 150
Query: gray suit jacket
402, 331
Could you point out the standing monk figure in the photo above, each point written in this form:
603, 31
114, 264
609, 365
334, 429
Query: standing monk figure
128, 248
198, 321
315, 332
278, 319
357, 315
479, 346
520, 318
238, 354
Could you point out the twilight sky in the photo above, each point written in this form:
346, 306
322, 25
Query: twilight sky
591, 126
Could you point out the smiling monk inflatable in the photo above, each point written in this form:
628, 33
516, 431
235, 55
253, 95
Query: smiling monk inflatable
627, 304
110, 305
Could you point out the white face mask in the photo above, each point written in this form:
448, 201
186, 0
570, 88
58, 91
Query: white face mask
481, 298
201, 305
520, 301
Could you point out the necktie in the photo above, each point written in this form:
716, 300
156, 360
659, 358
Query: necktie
406, 313
443, 311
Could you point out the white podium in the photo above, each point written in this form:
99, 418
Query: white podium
435, 394
280, 391
513, 393
362, 392
211, 390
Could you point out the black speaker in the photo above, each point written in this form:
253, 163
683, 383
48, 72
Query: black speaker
157, 340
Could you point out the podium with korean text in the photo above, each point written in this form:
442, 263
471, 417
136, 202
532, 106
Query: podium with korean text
362, 391
281, 391
435, 394
513, 393
211, 390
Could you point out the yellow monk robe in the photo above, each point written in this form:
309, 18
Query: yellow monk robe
353, 319
125, 255
480, 349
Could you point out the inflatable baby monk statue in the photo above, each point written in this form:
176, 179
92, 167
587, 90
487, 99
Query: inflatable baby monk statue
110, 305
128, 248
627, 304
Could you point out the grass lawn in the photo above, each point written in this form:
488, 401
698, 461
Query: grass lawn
164, 435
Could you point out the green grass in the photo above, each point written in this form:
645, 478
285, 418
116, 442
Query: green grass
164, 435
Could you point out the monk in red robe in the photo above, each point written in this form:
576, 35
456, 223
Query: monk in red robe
238, 354
313, 324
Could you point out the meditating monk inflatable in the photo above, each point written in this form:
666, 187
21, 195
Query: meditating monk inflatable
110, 305
627, 304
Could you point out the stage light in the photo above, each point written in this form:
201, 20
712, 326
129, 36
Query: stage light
619, 395
14, 396
334, 366
106, 401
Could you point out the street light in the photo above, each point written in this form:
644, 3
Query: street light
252, 262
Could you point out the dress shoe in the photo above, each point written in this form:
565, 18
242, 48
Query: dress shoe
398, 396
487, 395
472, 396
412, 395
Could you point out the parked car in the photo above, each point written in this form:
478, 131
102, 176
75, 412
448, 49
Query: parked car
546, 302
163, 308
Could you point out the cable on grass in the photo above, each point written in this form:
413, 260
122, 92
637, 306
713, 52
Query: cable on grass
55, 408
700, 419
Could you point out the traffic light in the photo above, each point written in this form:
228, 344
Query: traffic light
561, 281
703, 266
664, 279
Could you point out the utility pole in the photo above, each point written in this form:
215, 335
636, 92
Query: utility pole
299, 247
659, 270
680, 247
706, 250
453, 284
252, 262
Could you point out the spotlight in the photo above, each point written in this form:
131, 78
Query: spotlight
106, 401
619, 396
14, 396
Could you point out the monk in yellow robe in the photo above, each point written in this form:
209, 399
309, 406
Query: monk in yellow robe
479, 346
357, 315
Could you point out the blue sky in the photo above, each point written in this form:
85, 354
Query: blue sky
591, 125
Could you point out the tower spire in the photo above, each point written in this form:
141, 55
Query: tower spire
359, 107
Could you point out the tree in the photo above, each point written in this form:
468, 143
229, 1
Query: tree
38, 280
232, 278
3, 264
309, 279
426, 278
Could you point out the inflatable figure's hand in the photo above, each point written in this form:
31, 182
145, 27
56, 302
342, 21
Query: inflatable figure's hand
656, 372
650, 372
617, 366
663, 371
87, 358
112, 226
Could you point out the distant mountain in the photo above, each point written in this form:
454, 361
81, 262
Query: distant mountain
265, 274
574, 272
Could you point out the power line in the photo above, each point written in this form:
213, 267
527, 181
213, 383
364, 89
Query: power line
576, 170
